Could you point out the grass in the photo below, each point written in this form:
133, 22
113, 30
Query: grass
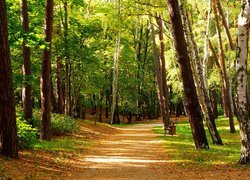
62, 144
181, 147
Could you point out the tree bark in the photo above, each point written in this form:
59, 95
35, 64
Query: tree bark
53, 98
191, 99
107, 104
215, 109
46, 74
225, 82
158, 74
163, 68
8, 131
201, 90
67, 61
241, 85
224, 23
116, 69
60, 101
206, 45
100, 107
26, 92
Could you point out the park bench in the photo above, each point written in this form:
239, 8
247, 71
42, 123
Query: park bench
171, 128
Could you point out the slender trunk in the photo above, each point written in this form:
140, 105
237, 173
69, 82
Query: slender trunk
201, 90
248, 101
191, 99
224, 23
116, 69
241, 85
215, 109
107, 105
60, 100
100, 107
158, 74
67, 61
163, 68
206, 46
26, 94
8, 131
45, 77
53, 98
225, 84
138, 48
117, 117
75, 105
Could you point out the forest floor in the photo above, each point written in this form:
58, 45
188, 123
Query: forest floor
105, 152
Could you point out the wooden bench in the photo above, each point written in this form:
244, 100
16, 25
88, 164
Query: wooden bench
171, 128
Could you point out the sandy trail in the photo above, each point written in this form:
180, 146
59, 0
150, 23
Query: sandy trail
135, 153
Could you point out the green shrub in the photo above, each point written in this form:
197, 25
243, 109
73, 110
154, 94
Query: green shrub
27, 136
36, 119
61, 124
220, 110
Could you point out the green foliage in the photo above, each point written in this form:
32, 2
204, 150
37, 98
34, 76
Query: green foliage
61, 124
27, 136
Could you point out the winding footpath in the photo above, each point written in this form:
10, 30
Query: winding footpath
135, 153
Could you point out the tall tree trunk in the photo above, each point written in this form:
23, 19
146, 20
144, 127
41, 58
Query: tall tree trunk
191, 99
107, 102
100, 107
116, 70
8, 131
26, 94
225, 24
53, 98
201, 90
206, 46
75, 111
241, 85
225, 83
67, 61
158, 74
45, 77
215, 110
163, 67
60, 101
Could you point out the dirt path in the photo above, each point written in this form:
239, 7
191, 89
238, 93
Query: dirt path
133, 153
129, 153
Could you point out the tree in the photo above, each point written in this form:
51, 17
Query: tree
241, 84
116, 62
201, 90
8, 131
46, 74
26, 96
225, 82
67, 62
159, 78
60, 101
191, 99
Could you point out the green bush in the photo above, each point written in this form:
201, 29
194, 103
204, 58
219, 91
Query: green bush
220, 110
61, 124
27, 136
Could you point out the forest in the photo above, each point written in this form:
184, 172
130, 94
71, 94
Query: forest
116, 63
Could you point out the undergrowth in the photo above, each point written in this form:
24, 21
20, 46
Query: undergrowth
28, 136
